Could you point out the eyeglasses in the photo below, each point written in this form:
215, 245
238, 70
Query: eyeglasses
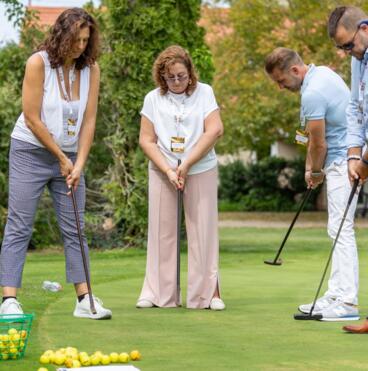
349, 45
180, 78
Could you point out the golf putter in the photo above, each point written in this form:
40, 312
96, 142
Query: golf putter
310, 315
178, 228
276, 260
85, 266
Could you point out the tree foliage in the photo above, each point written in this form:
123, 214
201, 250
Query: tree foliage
134, 32
13, 58
254, 111
271, 184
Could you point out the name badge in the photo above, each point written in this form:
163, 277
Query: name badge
301, 137
71, 127
177, 144
72, 122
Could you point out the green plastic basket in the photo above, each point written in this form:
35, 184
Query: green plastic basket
14, 334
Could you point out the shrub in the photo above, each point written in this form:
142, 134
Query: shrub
272, 184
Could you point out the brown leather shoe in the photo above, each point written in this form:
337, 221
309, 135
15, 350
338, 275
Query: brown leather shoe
357, 329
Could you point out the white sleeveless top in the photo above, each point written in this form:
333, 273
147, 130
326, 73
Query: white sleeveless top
52, 112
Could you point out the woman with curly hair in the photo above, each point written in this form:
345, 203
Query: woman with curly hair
49, 147
181, 121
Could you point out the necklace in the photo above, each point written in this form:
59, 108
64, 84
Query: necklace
178, 110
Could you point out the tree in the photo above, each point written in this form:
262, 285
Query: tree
135, 33
254, 112
13, 58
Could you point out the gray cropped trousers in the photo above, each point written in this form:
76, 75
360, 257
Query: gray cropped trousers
31, 169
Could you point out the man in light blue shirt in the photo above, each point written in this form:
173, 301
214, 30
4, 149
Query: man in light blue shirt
348, 26
324, 98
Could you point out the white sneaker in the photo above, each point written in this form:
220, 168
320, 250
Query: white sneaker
339, 311
143, 303
83, 310
11, 306
217, 304
321, 304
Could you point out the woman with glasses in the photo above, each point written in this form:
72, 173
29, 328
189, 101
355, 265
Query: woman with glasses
179, 128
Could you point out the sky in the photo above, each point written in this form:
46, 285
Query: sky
9, 33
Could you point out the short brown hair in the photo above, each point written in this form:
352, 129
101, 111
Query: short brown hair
345, 16
171, 55
64, 33
282, 59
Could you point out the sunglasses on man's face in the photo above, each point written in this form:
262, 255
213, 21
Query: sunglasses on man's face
350, 45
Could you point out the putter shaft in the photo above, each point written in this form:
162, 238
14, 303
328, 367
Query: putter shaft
84, 259
276, 260
351, 196
178, 230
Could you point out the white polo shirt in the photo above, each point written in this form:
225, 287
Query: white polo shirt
161, 111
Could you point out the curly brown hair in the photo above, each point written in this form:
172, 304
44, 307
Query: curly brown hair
171, 55
65, 32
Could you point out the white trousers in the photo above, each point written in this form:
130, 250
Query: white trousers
344, 278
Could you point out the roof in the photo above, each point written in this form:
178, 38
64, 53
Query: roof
214, 20
216, 23
47, 15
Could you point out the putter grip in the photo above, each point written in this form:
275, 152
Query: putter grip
353, 190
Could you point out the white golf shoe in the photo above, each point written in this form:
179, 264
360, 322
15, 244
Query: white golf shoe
321, 304
340, 311
11, 306
217, 304
83, 310
143, 303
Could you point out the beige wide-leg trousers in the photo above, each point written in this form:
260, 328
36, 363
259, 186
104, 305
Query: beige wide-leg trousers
201, 217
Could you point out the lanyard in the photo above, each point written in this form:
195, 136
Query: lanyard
71, 76
362, 85
178, 111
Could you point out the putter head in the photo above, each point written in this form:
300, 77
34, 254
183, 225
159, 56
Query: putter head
307, 317
273, 262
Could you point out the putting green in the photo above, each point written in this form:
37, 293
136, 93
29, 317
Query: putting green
256, 331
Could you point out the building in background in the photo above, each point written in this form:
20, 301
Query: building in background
47, 15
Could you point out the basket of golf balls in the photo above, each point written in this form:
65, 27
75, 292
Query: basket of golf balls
14, 334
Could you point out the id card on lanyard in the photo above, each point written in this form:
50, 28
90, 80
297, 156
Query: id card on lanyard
72, 119
362, 85
301, 136
177, 143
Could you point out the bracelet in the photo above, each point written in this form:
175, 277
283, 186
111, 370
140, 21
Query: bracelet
354, 157
316, 174
365, 162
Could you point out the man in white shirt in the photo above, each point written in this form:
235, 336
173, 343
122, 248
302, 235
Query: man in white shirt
348, 27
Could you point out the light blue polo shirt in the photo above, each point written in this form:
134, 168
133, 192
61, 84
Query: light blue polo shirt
324, 95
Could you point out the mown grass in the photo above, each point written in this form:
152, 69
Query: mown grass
256, 331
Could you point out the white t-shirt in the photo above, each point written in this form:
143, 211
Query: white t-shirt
194, 109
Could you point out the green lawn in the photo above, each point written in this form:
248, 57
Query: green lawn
256, 331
